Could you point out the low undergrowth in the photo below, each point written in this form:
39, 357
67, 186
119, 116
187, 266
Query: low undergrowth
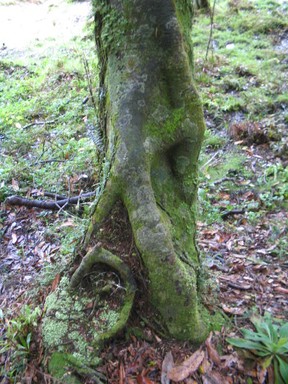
243, 85
44, 143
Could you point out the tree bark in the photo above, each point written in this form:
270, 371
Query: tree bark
152, 126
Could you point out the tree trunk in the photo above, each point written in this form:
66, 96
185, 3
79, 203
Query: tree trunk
152, 126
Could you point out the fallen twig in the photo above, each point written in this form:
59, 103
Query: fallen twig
38, 123
226, 214
55, 196
52, 205
49, 161
220, 181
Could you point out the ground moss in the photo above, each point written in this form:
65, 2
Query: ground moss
64, 365
59, 368
54, 331
68, 331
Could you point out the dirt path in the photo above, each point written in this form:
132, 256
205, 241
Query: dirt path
31, 28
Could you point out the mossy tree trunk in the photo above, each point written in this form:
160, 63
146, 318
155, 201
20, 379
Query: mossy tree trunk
152, 123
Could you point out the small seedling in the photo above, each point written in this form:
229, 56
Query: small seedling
17, 340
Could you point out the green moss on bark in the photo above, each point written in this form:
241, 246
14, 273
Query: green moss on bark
161, 129
155, 114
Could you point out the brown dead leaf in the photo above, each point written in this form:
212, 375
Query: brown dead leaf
190, 365
68, 223
281, 290
205, 366
55, 282
213, 354
241, 286
233, 310
261, 374
232, 360
142, 379
158, 339
167, 365
214, 377
121, 373
14, 238
38, 252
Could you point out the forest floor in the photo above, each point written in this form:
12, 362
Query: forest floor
46, 64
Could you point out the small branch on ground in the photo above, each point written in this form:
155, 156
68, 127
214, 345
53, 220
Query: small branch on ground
226, 214
55, 205
224, 179
49, 161
38, 123
55, 196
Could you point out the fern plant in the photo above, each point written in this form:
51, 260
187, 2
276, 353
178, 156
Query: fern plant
270, 343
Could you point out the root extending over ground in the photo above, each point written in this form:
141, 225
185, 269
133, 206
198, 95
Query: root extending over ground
101, 256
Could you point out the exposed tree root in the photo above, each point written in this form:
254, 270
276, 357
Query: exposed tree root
101, 256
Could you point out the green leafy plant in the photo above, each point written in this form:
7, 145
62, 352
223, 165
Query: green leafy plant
16, 343
275, 182
269, 343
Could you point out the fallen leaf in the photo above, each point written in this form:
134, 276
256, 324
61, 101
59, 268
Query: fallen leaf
261, 374
157, 338
14, 238
68, 223
167, 365
281, 290
230, 361
55, 282
205, 366
241, 286
233, 310
214, 377
190, 365
143, 380
121, 373
213, 354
